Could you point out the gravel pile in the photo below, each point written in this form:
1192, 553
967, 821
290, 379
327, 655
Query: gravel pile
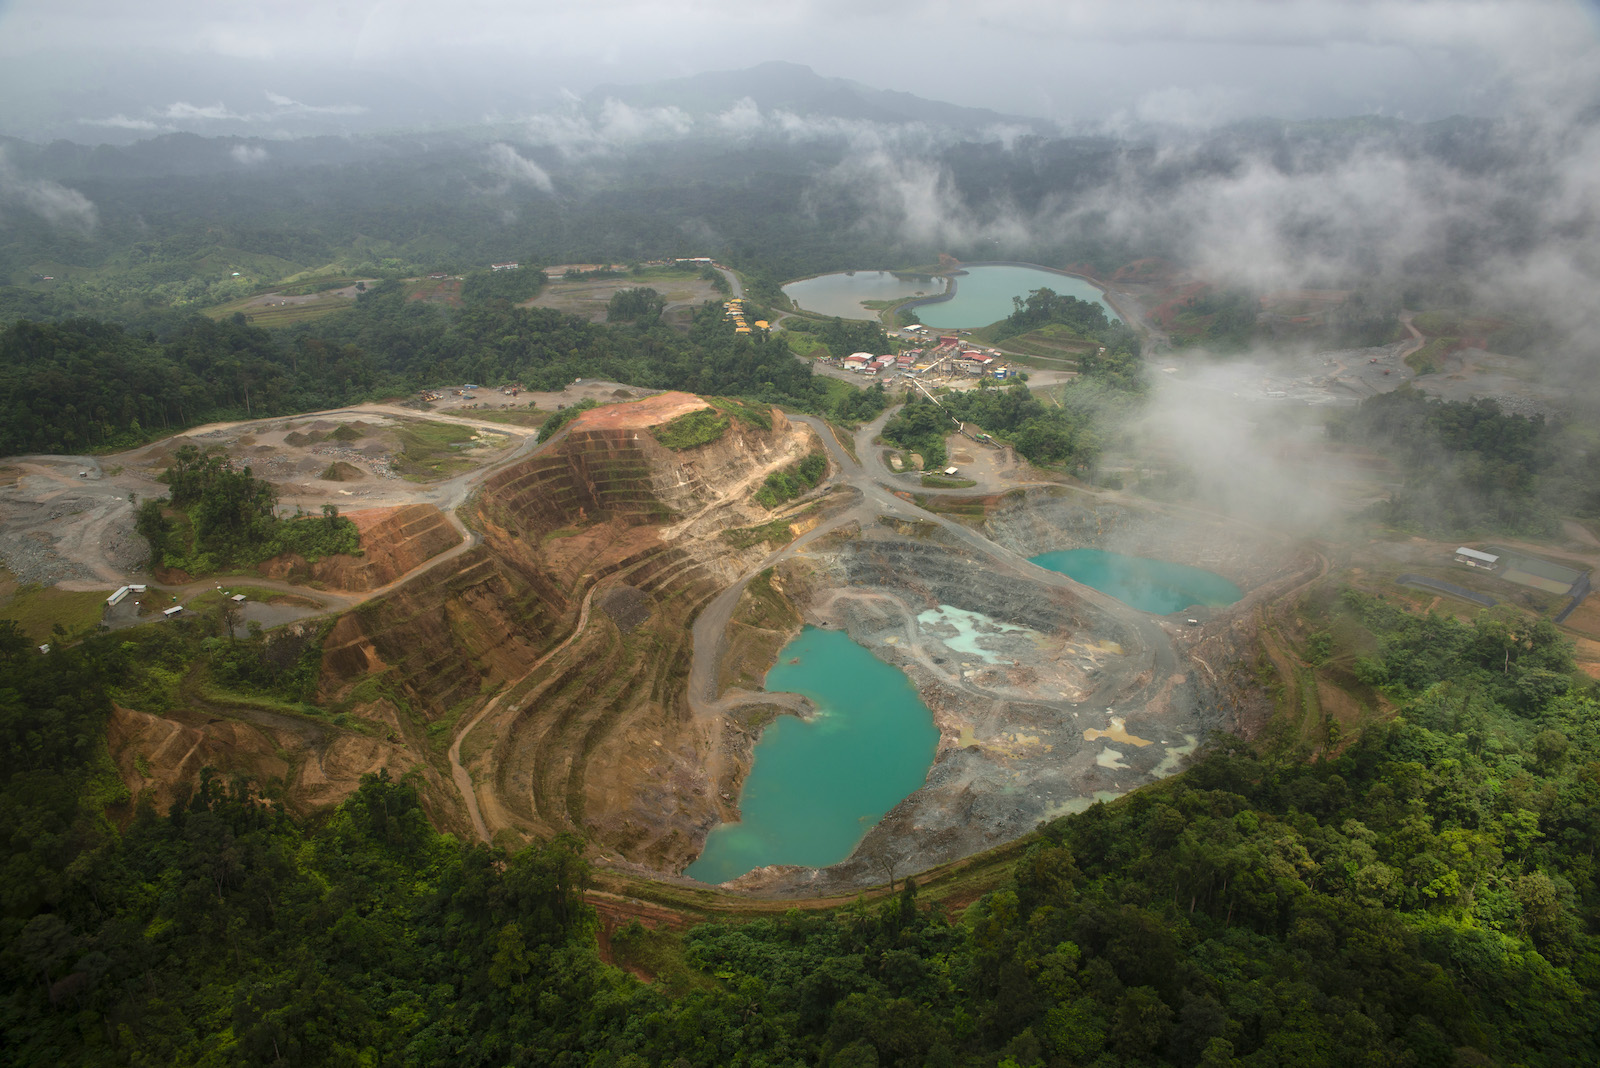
124, 548
381, 463
32, 558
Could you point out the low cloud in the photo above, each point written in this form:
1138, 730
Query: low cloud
290, 106
180, 112
248, 155
51, 201
183, 111
510, 166
123, 122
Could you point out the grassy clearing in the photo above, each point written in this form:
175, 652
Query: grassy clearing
967, 509
433, 450
658, 953
37, 609
282, 315
803, 344
941, 482
1441, 323
254, 593
201, 686
1054, 342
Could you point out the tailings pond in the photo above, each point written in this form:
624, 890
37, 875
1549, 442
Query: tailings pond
1148, 585
816, 787
983, 295
842, 294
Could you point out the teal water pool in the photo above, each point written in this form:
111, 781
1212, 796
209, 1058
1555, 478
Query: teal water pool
815, 788
1149, 585
841, 294
983, 295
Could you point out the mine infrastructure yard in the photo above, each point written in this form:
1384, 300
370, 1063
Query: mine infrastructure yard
573, 636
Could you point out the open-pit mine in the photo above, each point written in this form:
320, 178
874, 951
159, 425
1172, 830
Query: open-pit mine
574, 636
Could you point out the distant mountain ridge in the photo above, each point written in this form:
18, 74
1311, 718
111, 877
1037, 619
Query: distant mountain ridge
799, 90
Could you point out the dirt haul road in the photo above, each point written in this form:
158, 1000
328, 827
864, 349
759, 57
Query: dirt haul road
76, 531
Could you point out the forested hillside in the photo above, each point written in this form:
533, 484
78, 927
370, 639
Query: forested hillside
84, 384
1465, 466
1427, 896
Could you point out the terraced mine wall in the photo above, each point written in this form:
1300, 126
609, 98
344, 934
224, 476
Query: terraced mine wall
604, 525
596, 476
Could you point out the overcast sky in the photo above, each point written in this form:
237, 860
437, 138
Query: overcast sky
195, 64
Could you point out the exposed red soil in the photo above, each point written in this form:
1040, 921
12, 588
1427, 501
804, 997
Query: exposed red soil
1145, 270
446, 291
635, 415
1166, 313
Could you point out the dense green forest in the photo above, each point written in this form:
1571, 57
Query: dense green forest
1085, 318
84, 384
1465, 466
218, 517
176, 219
1426, 895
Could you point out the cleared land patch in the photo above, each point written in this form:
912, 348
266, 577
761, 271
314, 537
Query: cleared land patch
430, 451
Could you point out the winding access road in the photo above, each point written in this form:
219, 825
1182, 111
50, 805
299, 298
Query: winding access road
1148, 648
458, 772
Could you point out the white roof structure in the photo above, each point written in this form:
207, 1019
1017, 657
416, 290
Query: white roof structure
1473, 554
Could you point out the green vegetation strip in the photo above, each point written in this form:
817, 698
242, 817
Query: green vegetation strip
560, 419
1429, 359
792, 481
692, 429
219, 518
775, 533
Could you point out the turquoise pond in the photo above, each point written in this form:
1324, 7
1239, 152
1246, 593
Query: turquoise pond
841, 294
1149, 585
983, 295
815, 788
